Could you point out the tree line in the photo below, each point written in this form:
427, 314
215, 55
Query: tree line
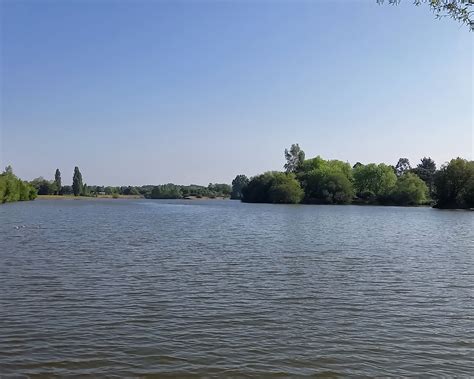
320, 181
165, 191
55, 187
311, 181
173, 191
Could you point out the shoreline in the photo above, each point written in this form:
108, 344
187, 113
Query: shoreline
195, 198
120, 197
72, 197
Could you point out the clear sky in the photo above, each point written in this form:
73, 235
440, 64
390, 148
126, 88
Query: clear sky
150, 92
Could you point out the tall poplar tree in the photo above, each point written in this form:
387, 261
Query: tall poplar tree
57, 181
77, 186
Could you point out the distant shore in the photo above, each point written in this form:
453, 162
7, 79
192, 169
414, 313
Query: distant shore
72, 197
123, 197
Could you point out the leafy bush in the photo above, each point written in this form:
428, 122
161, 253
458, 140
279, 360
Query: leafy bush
454, 184
328, 186
238, 184
166, 191
378, 179
14, 189
409, 190
273, 187
327, 182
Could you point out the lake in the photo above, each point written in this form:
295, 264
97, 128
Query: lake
154, 288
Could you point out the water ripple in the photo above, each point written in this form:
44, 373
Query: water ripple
127, 289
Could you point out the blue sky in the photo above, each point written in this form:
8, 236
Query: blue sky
149, 92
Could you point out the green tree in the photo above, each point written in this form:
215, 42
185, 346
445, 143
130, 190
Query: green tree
294, 157
285, 189
326, 181
309, 165
409, 190
86, 191
403, 166
454, 184
426, 170
77, 186
14, 189
32, 192
166, 191
24, 191
129, 190
43, 186
375, 179
109, 190
328, 186
57, 181
219, 189
257, 189
66, 190
466, 195
3, 188
273, 187
238, 184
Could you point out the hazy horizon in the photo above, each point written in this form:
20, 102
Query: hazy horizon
158, 92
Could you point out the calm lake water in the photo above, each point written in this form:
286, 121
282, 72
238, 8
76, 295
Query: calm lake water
150, 288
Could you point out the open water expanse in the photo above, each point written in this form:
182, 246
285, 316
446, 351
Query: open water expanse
152, 288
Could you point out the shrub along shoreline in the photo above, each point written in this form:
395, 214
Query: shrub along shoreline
14, 189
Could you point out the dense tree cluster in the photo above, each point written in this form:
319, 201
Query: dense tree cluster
409, 190
55, 187
14, 189
320, 181
326, 181
166, 191
374, 181
173, 191
273, 187
426, 170
44, 187
454, 184
238, 184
